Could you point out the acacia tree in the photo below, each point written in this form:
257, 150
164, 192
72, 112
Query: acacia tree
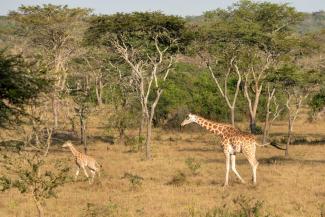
254, 81
20, 84
146, 43
296, 88
79, 88
220, 57
29, 175
261, 36
227, 76
50, 35
294, 104
275, 112
98, 66
122, 94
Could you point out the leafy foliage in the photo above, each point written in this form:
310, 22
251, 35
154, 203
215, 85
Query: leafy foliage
19, 85
138, 28
247, 207
135, 180
29, 177
109, 209
317, 103
178, 179
26, 173
193, 164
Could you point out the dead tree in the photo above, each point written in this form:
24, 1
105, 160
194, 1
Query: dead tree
293, 104
275, 113
231, 103
253, 83
80, 95
148, 75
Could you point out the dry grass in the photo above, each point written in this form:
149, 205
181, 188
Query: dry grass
288, 187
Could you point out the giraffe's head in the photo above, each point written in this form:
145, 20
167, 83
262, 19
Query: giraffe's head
67, 144
189, 119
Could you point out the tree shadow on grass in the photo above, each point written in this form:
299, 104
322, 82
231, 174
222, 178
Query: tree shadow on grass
59, 137
288, 160
11, 145
197, 149
274, 160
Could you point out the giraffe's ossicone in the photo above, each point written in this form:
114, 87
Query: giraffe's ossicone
233, 141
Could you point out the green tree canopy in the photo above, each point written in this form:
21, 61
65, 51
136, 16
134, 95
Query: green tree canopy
18, 86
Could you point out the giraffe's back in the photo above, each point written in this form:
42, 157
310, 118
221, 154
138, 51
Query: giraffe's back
243, 142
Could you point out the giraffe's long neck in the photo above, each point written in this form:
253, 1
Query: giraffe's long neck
213, 127
74, 151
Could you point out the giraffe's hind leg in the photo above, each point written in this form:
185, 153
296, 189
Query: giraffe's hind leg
93, 173
77, 173
249, 152
254, 164
86, 174
233, 167
227, 169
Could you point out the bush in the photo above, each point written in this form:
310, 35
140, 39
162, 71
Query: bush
135, 180
178, 179
247, 208
29, 174
135, 143
98, 210
193, 164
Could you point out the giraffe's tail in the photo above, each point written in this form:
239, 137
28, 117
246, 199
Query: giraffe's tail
99, 165
263, 145
271, 144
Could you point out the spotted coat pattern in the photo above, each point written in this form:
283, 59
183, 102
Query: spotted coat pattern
83, 161
233, 141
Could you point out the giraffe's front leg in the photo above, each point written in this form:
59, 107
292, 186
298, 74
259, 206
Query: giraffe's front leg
77, 173
233, 167
86, 174
227, 168
93, 173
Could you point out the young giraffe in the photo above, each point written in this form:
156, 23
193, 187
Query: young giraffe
233, 141
83, 161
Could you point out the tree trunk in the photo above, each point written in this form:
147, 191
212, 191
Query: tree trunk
252, 124
265, 130
48, 141
83, 136
286, 154
232, 113
55, 112
39, 207
98, 89
122, 135
266, 124
142, 123
148, 139
73, 126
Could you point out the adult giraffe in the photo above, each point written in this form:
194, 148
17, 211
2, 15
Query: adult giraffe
233, 141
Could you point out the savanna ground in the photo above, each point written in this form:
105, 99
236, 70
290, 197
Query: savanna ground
287, 187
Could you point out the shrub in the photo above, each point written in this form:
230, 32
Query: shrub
98, 210
322, 210
26, 173
193, 164
178, 179
135, 180
135, 143
246, 208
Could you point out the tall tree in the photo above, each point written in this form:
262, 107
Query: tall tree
290, 78
51, 35
147, 44
261, 35
20, 84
